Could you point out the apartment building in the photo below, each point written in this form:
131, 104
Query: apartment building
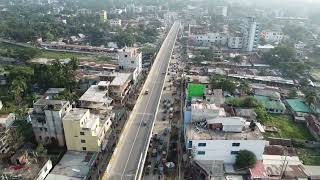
46, 118
235, 40
251, 34
96, 98
85, 131
222, 138
208, 39
6, 123
272, 36
119, 87
103, 16
115, 22
130, 59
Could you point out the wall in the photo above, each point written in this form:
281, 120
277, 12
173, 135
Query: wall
221, 149
45, 170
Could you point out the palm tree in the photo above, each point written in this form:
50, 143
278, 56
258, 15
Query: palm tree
18, 86
311, 98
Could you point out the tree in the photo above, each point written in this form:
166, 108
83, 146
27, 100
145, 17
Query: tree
237, 59
311, 97
292, 94
17, 88
245, 87
245, 159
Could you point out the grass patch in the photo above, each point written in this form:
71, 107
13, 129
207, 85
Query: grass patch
45, 53
309, 156
287, 128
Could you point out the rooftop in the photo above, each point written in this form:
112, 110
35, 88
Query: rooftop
51, 104
200, 132
120, 79
275, 79
73, 165
75, 114
267, 102
298, 105
54, 90
94, 94
268, 93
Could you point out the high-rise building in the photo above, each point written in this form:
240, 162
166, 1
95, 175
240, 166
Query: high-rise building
251, 34
222, 11
103, 16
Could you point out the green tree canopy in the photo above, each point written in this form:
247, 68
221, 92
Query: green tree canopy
245, 159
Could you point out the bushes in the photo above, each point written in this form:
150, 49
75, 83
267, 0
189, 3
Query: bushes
248, 102
245, 159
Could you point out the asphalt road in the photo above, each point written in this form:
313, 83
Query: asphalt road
128, 155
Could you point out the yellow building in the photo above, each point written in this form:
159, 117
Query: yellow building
85, 131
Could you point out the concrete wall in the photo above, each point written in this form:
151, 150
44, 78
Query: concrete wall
221, 149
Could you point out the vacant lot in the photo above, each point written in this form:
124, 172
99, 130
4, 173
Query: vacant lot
309, 156
287, 128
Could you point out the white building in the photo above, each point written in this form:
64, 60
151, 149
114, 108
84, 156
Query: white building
115, 22
271, 36
209, 39
103, 16
46, 119
222, 11
251, 34
235, 41
222, 138
130, 58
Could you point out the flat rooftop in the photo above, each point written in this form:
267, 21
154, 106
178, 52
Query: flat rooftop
195, 132
75, 114
120, 79
73, 165
54, 90
95, 94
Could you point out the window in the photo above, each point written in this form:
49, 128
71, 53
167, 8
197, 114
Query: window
190, 144
84, 148
235, 144
202, 144
234, 152
41, 129
45, 129
81, 133
83, 141
40, 137
201, 152
125, 55
132, 62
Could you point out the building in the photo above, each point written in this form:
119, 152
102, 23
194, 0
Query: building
46, 118
6, 123
25, 164
74, 165
235, 41
115, 22
270, 100
119, 87
130, 59
222, 138
85, 131
103, 16
313, 124
222, 11
209, 39
272, 36
52, 92
251, 34
96, 98
84, 11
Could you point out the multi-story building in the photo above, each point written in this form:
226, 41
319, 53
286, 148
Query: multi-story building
46, 119
272, 36
85, 131
251, 34
209, 39
131, 59
6, 122
222, 11
235, 41
222, 138
103, 16
96, 98
115, 22
119, 87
